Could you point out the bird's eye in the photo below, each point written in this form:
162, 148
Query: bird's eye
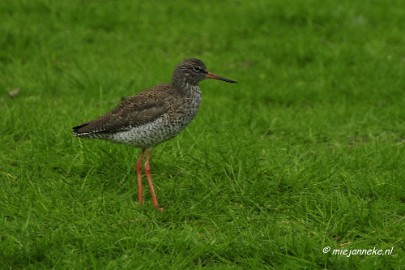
197, 69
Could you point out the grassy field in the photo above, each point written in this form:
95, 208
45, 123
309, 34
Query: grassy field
306, 152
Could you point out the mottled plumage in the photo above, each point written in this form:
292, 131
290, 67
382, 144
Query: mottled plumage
154, 115
147, 119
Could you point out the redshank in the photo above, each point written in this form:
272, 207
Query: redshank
152, 116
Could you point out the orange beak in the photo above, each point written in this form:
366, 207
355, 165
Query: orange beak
216, 77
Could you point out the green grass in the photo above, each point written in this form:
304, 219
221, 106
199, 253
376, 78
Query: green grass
306, 151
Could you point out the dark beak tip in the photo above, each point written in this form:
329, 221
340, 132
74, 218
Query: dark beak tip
229, 81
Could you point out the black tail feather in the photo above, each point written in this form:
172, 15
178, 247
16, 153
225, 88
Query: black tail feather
77, 132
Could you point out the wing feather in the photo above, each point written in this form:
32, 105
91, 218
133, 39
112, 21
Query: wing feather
135, 111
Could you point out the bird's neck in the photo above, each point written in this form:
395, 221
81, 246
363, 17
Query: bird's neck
184, 87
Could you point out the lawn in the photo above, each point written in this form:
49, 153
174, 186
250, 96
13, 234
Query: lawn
301, 165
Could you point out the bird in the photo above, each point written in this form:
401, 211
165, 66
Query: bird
152, 116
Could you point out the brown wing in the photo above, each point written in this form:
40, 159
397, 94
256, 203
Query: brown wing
132, 112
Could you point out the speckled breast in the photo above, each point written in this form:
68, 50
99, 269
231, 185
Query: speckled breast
165, 127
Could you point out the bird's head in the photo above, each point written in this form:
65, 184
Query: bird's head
192, 71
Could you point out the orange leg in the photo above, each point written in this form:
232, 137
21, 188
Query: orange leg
149, 176
139, 175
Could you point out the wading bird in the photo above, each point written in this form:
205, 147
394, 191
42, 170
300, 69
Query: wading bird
153, 116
